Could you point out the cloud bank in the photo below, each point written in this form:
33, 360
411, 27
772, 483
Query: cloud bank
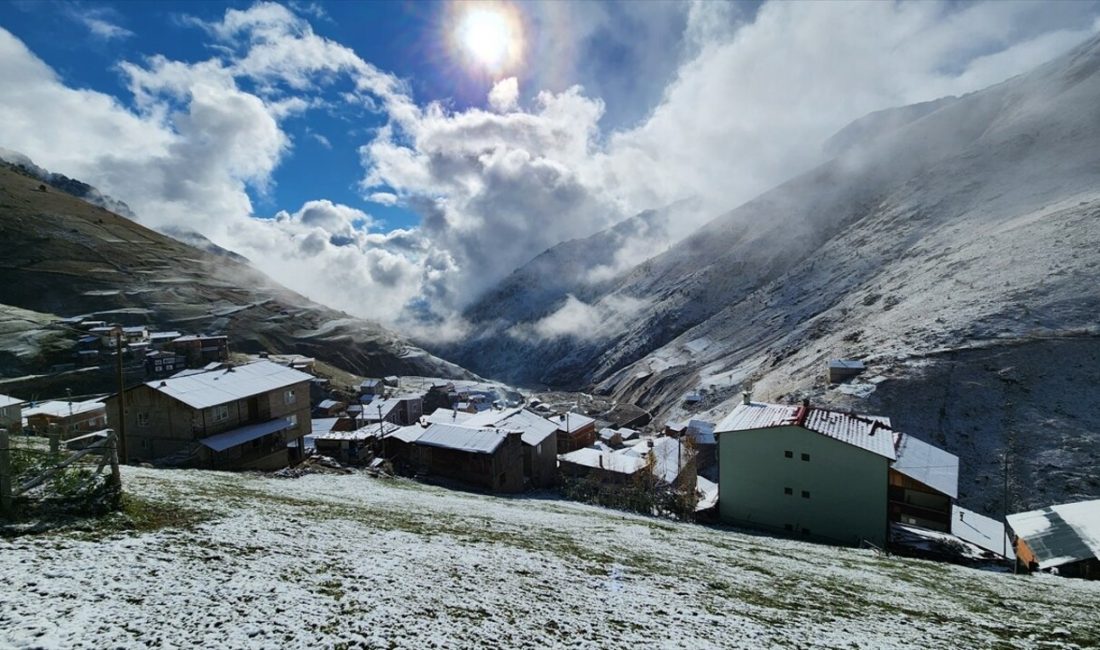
751, 100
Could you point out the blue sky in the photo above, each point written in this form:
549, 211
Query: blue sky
404, 38
377, 158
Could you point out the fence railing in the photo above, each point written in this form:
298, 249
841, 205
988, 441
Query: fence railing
10, 489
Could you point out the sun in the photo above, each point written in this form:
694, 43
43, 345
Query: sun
488, 35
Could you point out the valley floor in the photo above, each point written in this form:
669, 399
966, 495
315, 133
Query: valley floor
337, 561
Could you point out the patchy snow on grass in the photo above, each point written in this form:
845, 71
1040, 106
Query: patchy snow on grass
328, 561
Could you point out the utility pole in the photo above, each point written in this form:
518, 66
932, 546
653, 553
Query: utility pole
121, 397
381, 431
1004, 508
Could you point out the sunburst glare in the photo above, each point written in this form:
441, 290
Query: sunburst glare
487, 35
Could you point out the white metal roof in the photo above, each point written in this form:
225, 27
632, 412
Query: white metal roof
448, 416
362, 433
449, 436
407, 434
322, 425
247, 433
575, 421
981, 531
1060, 534
208, 389
7, 400
63, 409
927, 464
535, 428
869, 432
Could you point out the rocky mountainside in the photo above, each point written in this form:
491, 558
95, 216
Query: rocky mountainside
968, 223
64, 256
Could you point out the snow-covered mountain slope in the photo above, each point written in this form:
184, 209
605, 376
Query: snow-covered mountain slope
350, 561
970, 221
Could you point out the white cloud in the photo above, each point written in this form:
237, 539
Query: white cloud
505, 95
383, 198
579, 320
104, 30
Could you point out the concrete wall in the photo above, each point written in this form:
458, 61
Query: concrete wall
847, 486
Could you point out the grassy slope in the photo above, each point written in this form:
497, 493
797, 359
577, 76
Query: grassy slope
331, 561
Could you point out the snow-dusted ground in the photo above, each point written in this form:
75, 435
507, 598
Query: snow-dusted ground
337, 561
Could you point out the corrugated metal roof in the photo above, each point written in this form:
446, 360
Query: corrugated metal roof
981, 531
208, 389
448, 416
869, 432
535, 428
63, 409
450, 436
927, 464
362, 433
7, 400
407, 434
1060, 534
575, 421
851, 364
223, 441
322, 425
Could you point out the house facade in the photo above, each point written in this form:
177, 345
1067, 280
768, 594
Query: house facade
69, 418
575, 431
540, 448
924, 483
806, 472
11, 414
233, 418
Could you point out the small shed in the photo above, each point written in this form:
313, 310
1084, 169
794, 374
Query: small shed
1063, 538
842, 369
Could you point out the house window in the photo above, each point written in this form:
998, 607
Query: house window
788, 454
220, 413
293, 420
788, 491
806, 457
805, 494
143, 419
288, 396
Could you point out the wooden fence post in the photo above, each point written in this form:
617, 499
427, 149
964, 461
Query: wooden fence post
55, 440
112, 449
5, 472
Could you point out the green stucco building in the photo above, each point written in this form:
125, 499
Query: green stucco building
805, 472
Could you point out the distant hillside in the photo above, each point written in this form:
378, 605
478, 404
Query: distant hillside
64, 256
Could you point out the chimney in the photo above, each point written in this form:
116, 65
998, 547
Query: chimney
746, 397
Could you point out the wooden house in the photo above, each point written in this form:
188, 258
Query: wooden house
69, 418
924, 483
200, 349
486, 458
540, 448
241, 417
11, 414
575, 431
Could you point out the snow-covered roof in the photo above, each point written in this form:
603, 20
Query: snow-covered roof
869, 432
322, 425
981, 531
927, 464
63, 409
247, 433
669, 458
199, 337
611, 461
7, 400
575, 422
850, 364
136, 329
448, 416
380, 409
329, 403
449, 436
164, 335
701, 431
220, 386
1060, 534
362, 433
407, 434
535, 428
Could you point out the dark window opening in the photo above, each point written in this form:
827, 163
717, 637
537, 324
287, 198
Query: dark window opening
788, 454
805, 494
788, 491
806, 457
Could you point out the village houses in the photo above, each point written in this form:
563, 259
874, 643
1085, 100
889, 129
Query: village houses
67, 417
239, 417
1063, 539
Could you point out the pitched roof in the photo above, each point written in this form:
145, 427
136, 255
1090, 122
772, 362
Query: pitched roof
1060, 534
927, 464
575, 421
611, 461
448, 416
449, 436
535, 428
362, 433
981, 531
62, 409
7, 400
220, 386
868, 432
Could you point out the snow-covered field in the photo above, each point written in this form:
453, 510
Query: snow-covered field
339, 561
